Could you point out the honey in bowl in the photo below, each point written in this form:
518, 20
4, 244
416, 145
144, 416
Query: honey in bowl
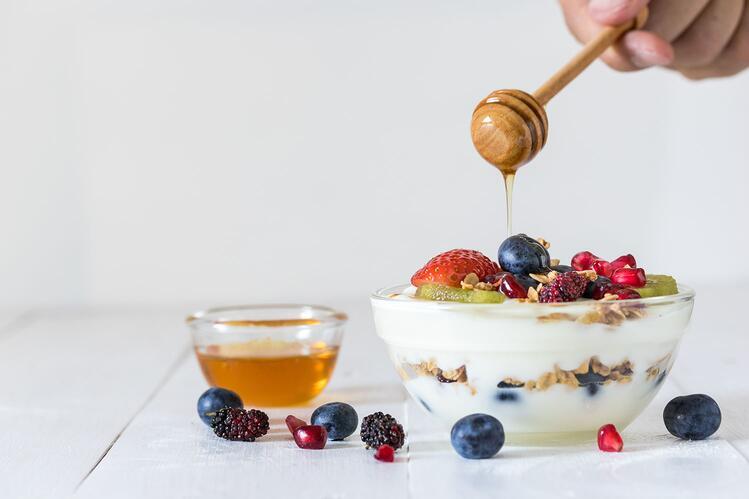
268, 372
270, 355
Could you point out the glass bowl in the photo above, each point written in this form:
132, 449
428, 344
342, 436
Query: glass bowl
551, 373
271, 355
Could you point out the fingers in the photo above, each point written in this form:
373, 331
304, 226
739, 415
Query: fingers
734, 58
708, 34
647, 49
612, 12
670, 18
636, 50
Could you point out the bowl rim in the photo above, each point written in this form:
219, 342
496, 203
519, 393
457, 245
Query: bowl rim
325, 317
685, 293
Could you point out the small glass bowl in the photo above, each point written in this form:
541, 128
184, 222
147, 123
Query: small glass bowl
271, 355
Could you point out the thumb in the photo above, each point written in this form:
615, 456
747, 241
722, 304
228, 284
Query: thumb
613, 12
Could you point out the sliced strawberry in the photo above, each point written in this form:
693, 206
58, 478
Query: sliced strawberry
451, 267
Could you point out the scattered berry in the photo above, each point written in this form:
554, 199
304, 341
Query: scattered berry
511, 288
624, 261
583, 260
385, 453
293, 422
692, 417
214, 399
597, 289
565, 287
602, 267
629, 277
609, 439
451, 267
311, 437
521, 254
233, 423
477, 436
379, 429
339, 419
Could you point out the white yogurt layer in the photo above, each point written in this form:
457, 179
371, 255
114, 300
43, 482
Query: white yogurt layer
532, 343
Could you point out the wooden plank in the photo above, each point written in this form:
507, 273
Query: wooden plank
72, 382
168, 452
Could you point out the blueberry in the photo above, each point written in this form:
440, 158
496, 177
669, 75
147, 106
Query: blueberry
214, 399
338, 418
592, 389
525, 281
521, 254
477, 436
692, 417
595, 288
562, 268
507, 396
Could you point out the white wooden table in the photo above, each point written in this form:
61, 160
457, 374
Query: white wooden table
101, 403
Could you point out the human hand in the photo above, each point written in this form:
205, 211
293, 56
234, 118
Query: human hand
698, 38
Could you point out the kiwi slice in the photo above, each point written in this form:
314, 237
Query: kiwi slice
658, 285
439, 292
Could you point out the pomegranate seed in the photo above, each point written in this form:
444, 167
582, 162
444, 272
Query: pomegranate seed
311, 436
623, 261
629, 277
583, 260
385, 453
626, 294
293, 422
511, 289
609, 439
602, 267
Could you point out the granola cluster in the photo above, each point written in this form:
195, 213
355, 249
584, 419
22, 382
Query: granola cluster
592, 371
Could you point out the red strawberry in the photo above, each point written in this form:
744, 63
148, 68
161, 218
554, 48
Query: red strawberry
451, 267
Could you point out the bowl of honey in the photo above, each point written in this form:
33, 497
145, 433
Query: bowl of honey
271, 355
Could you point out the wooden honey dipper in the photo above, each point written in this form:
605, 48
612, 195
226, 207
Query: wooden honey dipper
509, 127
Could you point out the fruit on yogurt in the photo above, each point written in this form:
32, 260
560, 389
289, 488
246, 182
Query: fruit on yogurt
658, 285
477, 436
583, 260
626, 276
692, 417
451, 267
438, 292
521, 254
564, 288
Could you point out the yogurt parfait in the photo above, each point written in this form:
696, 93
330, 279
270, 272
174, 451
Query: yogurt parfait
553, 351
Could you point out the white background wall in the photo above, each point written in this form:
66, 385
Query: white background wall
176, 151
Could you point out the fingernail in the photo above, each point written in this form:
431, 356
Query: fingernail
645, 58
607, 6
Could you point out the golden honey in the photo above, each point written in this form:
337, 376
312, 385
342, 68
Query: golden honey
267, 372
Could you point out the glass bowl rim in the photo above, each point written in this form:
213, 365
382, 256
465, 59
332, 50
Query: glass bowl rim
685, 293
210, 317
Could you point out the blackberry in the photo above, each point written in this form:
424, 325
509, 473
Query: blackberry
568, 286
232, 423
381, 429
